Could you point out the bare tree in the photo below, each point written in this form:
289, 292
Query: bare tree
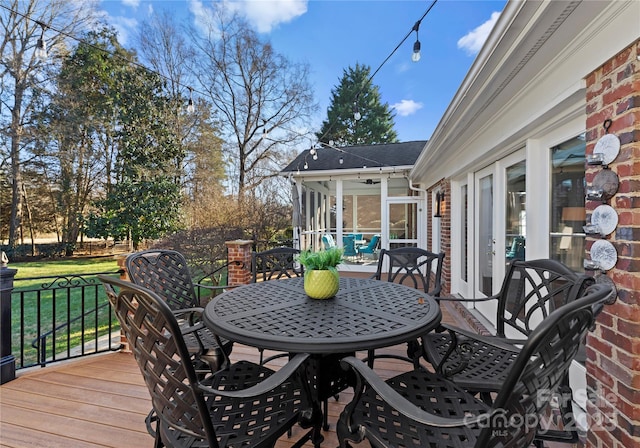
23, 23
164, 47
257, 92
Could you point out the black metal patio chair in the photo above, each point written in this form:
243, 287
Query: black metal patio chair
413, 267
531, 290
166, 273
275, 264
425, 409
241, 405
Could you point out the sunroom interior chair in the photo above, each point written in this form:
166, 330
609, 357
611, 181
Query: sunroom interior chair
166, 273
414, 267
349, 245
242, 404
420, 408
327, 241
370, 248
275, 264
530, 291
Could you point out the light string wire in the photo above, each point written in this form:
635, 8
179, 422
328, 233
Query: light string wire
103, 50
191, 89
370, 78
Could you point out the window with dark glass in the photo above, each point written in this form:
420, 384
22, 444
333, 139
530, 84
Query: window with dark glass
567, 238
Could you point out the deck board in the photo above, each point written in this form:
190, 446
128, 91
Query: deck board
101, 401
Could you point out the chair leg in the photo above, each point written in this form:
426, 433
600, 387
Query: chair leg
325, 415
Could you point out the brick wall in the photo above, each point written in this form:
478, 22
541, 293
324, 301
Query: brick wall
443, 186
613, 364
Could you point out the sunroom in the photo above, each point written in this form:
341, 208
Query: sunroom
359, 198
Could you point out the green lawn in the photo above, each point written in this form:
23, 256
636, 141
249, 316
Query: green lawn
39, 306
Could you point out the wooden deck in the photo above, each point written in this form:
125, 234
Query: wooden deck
101, 401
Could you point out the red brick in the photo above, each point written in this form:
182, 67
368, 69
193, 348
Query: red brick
614, 96
601, 375
599, 345
597, 119
632, 361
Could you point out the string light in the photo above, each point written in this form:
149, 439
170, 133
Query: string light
190, 107
356, 112
41, 45
416, 46
415, 57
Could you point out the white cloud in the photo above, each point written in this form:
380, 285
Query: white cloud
202, 16
132, 3
267, 14
406, 107
124, 26
472, 42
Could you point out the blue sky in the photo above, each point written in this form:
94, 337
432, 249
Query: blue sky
331, 35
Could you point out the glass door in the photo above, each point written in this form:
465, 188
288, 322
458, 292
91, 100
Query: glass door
485, 240
404, 222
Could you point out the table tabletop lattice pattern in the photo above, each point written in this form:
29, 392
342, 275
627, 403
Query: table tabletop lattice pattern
364, 312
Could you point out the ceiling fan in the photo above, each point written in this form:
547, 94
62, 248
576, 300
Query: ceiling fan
371, 182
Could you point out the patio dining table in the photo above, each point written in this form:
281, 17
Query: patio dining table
365, 314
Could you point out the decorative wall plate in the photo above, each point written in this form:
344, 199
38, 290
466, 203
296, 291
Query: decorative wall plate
606, 218
608, 181
609, 147
603, 252
603, 279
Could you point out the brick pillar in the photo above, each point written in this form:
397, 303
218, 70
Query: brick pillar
239, 250
613, 349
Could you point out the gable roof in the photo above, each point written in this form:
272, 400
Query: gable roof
359, 157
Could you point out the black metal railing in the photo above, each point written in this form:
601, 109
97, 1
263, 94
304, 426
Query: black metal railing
56, 318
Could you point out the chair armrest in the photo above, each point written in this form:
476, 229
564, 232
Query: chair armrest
495, 341
398, 402
269, 383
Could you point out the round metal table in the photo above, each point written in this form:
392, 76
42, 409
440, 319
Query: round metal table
365, 314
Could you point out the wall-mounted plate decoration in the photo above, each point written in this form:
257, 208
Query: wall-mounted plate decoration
608, 182
603, 279
604, 253
609, 147
606, 218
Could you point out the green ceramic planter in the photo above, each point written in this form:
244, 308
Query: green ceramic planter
321, 284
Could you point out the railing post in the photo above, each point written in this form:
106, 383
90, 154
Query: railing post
7, 360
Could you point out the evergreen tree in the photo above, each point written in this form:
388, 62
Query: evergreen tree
356, 93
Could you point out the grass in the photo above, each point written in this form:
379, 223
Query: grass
40, 305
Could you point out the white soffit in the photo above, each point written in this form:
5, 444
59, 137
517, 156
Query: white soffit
538, 61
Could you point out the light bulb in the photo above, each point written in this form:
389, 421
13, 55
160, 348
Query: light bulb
356, 115
341, 160
41, 49
306, 166
313, 151
190, 108
415, 57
